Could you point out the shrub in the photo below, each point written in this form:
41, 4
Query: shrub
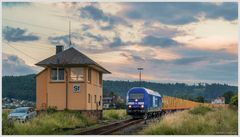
7, 126
115, 114
202, 110
51, 109
234, 101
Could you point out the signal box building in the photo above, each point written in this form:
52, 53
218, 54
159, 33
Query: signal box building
70, 80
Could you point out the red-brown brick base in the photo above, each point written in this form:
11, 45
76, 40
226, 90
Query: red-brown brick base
92, 113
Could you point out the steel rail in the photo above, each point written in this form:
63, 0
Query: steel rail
110, 128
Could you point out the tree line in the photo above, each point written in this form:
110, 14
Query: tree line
24, 87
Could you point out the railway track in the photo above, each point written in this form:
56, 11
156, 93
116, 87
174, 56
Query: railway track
110, 128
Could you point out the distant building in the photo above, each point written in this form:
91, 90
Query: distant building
70, 80
107, 101
219, 100
113, 102
11, 103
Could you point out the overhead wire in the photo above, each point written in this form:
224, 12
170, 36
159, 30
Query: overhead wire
45, 27
39, 47
39, 41
22, 52
42, 34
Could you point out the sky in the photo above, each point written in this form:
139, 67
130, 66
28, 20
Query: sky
174, 42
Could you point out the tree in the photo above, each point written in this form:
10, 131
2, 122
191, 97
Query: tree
199, 99
234, 101
228, 95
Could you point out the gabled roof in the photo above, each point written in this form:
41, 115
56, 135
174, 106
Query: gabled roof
71, 57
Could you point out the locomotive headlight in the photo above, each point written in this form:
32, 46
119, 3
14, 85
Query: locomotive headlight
129, 106
136, 100
142, 106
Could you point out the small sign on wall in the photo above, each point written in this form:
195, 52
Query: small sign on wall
76, 88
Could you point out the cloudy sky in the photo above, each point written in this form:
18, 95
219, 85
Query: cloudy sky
173, 42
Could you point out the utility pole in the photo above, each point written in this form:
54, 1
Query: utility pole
65, 68
66, 87
70, 43
140, 75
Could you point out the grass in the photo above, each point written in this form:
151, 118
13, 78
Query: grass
46, 123
199, 121
55, 122
115, 114
200, 110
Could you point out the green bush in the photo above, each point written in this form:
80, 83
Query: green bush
234, 101
7, 126
114, 114
202, 110
51, 109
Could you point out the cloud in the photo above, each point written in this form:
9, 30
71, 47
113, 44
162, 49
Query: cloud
64, 39
13, 65
197, 57
132, 57
227, 11
189, 60
93, 13
116, 42
180, 13
86, 27
163, 42
213, 54
190, 67
95, 37
17, 34
219, 72
15, 4
161, 30
180, 61
223, 73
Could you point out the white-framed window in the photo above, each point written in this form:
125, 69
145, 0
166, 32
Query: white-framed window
57, 74
77, 74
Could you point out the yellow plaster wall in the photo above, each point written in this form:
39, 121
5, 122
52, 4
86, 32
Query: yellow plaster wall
54, 93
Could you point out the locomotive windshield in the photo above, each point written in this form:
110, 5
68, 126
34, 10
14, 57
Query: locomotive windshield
136, 96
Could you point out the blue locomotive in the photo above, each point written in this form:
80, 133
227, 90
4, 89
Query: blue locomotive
143, 102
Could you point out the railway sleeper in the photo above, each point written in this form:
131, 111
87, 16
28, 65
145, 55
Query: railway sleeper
152, 116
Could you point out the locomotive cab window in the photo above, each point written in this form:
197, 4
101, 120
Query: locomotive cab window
136, 96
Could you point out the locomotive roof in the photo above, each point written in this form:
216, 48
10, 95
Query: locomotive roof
149, 91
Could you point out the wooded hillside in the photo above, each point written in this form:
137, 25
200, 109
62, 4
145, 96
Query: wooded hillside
24, 87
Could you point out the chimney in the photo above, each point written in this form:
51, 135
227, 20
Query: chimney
59, 48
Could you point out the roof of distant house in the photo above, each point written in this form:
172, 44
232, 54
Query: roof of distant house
107, 98
71, 57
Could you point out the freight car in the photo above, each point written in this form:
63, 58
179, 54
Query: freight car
143, 102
